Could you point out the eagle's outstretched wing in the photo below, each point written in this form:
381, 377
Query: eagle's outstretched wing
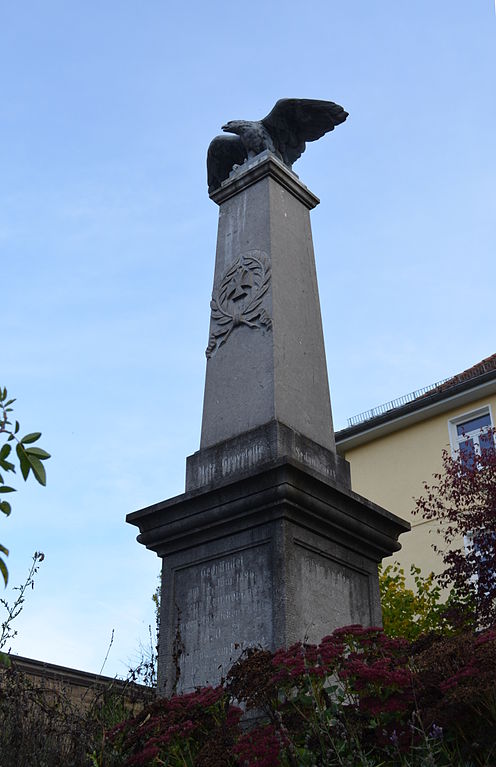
223, 153
292, 122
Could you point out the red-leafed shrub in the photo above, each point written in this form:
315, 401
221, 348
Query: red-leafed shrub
462, 501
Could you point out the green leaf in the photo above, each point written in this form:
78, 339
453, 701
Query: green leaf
29, 459
5, 507
38, 452
23, 460
9, 402
4, 452
7, 489
17, 427
37, 468
3, 569
7, 466
30, 437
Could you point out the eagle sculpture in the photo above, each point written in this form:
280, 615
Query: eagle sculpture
284, 131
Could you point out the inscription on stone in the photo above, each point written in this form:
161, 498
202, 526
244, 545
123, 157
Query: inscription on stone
244, 459
320, 576
310, 460
225, 607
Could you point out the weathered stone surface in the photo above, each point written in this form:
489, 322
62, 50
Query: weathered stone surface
247, 452
226, 606
274, 557
266, 357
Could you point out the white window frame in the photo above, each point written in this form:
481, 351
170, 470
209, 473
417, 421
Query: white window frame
468, 539
454, 422
471, 547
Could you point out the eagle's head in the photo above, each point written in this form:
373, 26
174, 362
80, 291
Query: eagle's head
234, 126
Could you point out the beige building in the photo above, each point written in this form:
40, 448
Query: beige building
62, 686
394, 448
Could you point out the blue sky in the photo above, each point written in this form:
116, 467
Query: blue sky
107, 242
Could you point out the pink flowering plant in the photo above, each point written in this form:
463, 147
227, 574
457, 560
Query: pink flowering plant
357, 699
362, 698
199, 728
261, 746
341, 699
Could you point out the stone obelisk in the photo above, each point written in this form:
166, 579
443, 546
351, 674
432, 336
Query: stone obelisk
268, 545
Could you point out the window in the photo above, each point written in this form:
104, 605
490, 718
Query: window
470, 433
482, 546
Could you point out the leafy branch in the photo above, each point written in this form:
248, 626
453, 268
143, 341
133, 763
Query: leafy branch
462, 504
29, 459
13, 610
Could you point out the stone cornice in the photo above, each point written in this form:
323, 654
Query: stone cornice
284, 491
265, 164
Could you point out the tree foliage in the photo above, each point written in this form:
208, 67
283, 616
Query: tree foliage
422, 609
462, 501
28, 457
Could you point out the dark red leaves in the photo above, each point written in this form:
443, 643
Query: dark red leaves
358, 691
462, 501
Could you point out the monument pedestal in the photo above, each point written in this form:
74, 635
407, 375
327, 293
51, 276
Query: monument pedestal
281, 555
268, 545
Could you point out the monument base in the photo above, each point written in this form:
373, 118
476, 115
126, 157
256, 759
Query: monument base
248, 452
283, 554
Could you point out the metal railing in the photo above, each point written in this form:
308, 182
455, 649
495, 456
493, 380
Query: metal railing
392, 404
485, 366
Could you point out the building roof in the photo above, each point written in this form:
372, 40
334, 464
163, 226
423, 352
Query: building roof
460, 388
486, 365
70, 676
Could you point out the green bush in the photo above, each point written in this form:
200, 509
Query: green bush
412, 612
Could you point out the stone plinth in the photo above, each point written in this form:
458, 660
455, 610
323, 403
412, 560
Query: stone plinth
242, 455
279, 556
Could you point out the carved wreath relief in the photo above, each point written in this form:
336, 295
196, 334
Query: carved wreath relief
238, 300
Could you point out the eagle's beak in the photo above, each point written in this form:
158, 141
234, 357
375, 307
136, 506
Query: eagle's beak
224, 127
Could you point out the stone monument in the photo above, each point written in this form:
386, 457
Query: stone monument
269, 544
